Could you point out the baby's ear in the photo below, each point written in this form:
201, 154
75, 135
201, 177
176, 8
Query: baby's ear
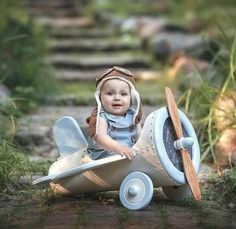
138, 118
88, 120
92, 120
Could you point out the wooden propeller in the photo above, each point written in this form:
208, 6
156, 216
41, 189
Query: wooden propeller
189, 170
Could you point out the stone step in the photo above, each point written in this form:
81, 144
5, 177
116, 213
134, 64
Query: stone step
76, 99
63, 22
59, 13
89, 33
71, 62
68, 75
54, 4
36, 129
53, 8
45, 116
92, 45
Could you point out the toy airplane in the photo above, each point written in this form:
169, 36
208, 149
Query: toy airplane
157, 162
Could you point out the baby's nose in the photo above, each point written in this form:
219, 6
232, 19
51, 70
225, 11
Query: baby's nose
117, 97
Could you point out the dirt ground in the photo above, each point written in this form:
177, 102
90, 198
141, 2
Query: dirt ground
41, 209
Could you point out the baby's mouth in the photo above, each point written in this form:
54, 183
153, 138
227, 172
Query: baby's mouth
116, 105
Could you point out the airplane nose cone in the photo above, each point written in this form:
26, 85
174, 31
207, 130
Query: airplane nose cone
183, 143
133, 190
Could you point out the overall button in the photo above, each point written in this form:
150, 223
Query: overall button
133, 139
113, 128
131, 128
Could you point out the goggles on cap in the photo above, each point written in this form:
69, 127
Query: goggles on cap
114, 71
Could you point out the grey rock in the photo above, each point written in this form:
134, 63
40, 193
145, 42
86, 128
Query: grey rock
36, 129
233, 158
91, 45
90, 33
73, 62
205, 171
36, 135
167, 44
79, 22
4, 94
147, 26
71, 75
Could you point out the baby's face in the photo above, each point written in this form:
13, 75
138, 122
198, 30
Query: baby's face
115, 97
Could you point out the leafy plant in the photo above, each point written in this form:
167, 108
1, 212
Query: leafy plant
23, 66
202, 100
8, 115
13, 164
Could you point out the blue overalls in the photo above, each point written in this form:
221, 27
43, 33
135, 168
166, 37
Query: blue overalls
120, 128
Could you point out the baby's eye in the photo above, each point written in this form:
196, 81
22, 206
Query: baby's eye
124, 93
109, 93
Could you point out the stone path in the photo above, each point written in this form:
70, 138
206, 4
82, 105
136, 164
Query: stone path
105, 211
80, 49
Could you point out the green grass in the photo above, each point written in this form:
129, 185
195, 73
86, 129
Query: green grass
8, 115
123, 216
121, 8
201, 99
209, 13
151, 92
164, 216
221, 190
14, 164
10, 156
185, 12
82, 212
103, 54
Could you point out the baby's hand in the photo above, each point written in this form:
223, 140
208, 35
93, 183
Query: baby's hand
125, 151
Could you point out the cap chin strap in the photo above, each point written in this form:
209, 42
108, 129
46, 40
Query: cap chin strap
99, 106
135, 98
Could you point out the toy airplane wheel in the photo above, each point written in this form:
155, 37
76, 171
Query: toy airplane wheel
136, 191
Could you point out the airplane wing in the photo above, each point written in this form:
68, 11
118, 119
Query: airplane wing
78, 170
44, 180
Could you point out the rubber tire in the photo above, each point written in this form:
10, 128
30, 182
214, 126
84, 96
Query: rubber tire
144, 188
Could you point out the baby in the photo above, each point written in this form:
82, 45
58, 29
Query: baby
114, 124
